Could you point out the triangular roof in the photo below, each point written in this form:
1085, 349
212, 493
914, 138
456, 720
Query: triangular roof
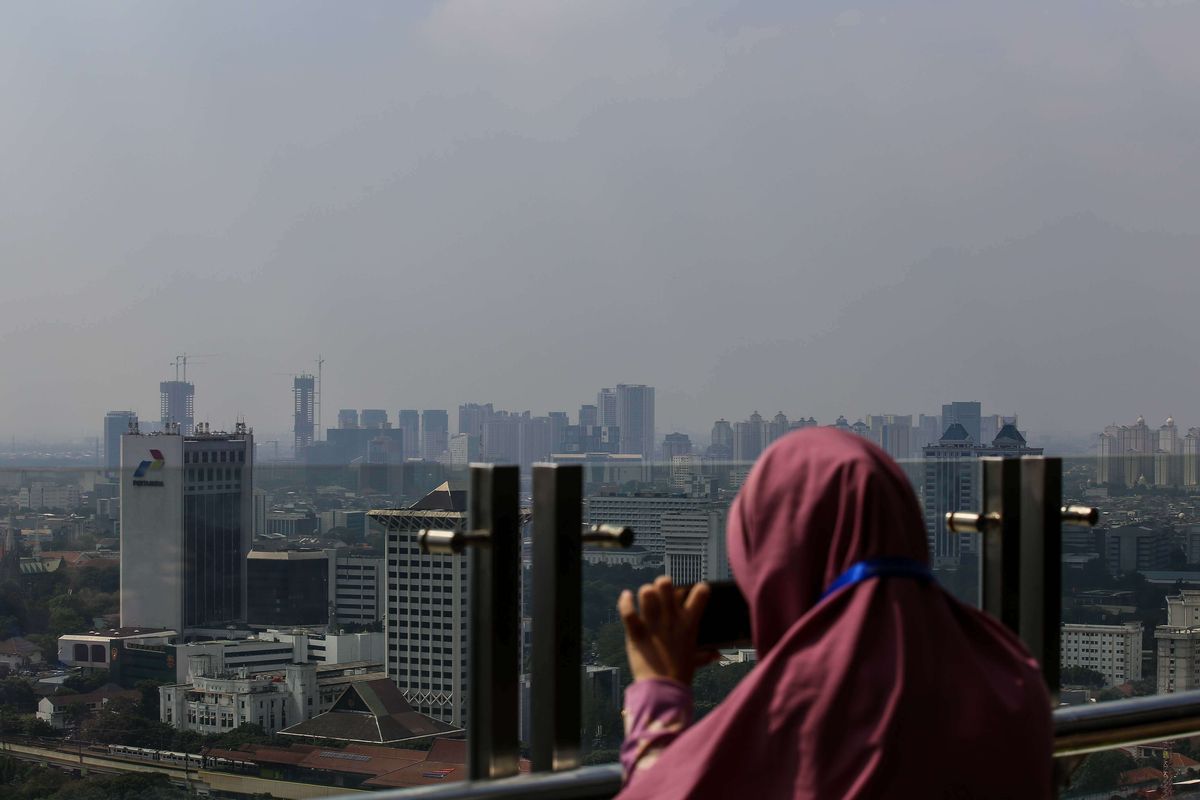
371, 711
450, 496
1009, 436
956, 433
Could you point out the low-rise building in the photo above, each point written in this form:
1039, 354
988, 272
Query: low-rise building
215, 699
17, 653
56, 709
1115, 651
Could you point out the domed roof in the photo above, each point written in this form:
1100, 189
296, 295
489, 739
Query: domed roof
1170, 420
1141, 420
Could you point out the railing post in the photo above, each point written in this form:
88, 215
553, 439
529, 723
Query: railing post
999, 556
557, 615
495, 623
1040, 581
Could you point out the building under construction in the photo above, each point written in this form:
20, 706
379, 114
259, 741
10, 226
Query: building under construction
304, 392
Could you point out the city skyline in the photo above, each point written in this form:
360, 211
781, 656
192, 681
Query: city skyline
685, 217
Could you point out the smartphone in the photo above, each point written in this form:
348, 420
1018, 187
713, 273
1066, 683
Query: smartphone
726, 619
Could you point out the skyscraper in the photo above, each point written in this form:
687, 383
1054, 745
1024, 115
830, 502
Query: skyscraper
606, 407
1127, 454
427, 607
177, 405
347, 419
186, 528
409, 421
588, 416
303, 420
472, 416
967, 414
374, 418
435, 433
748, 438
951, 483
892, 432
116, 425
635, 418
722, 440
1168, 466
676, 444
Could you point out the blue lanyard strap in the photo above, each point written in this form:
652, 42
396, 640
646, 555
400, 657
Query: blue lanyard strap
892, 567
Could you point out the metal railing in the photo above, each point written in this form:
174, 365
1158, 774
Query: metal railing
1020, 555
1078, 730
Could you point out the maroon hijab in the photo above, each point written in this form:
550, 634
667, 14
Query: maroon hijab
887, 688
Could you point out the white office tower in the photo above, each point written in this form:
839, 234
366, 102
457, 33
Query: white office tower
645, 514
695, 545
426, 615
186, 528
1115, 651
1178, 644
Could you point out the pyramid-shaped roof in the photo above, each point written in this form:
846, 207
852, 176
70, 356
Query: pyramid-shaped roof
371, 711
450, 496
1009, 436
956, 433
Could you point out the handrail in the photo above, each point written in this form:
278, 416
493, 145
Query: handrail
584, 783
1078, 730
1139, 720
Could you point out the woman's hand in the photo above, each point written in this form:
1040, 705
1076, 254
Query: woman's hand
660, 638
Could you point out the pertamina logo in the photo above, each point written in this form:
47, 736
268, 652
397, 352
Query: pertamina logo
139, 474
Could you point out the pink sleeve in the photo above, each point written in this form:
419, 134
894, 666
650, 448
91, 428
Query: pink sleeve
656, 711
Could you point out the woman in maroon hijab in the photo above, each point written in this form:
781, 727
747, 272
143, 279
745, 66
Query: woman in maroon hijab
872, 681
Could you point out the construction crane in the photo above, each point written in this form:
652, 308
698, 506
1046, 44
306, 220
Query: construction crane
181, 361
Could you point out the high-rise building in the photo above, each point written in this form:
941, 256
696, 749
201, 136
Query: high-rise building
464, 449
588, 416
374, 418
1178, 644
1127, 454
288, 587
559, 422
303, 419
427, 608
676, 444
1168, 465
928, 431
1115, 651
347, 419
1191, 457
409, 421
968, 415
776, 429
893, 432
694, 545
722, 440
635, 418
177, 406
748, 439
951, 483
435, 433
116, 425
186, 528
606, 407
645, 514
473, 416
359, 589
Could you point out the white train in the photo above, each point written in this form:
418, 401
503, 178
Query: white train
189, 760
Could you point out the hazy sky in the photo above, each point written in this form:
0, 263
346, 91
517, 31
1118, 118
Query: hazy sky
816, 207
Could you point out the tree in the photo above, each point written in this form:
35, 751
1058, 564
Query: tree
18, 693
714, 682
149, 704
1101, 771
85, 682
610, 646
1082, 676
